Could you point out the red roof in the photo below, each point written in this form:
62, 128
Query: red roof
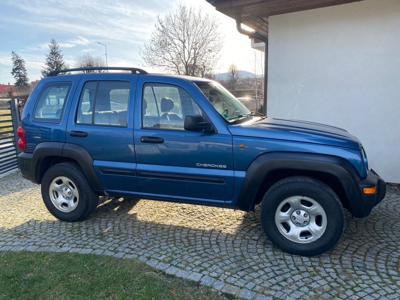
5, 88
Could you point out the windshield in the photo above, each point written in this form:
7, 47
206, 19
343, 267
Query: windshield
224, 102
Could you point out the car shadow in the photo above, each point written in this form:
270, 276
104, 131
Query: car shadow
220, 243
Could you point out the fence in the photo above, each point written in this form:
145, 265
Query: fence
9, 122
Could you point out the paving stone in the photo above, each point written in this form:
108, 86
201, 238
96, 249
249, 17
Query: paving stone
262, 297
172, 270
194, 276
207, 280
221, 248
218, 285
230, 289
246, 294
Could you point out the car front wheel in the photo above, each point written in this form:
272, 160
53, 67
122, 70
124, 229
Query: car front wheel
302, 216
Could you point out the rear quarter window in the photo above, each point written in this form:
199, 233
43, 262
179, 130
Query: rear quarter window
52, 99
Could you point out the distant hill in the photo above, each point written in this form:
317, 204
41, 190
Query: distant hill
226, 76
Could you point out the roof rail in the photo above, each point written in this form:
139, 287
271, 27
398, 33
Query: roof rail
86, 69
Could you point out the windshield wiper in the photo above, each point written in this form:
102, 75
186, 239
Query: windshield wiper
238, 119
257, 114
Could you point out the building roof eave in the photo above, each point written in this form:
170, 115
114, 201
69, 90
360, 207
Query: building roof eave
255, 13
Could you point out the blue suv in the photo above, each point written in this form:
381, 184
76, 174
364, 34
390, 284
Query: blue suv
127, 133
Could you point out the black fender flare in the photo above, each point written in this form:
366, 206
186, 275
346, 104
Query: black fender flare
41, 152
267, 163
68, 151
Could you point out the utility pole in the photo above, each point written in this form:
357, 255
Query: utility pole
105, 51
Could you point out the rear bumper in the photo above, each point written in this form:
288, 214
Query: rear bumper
25, 164
363, 204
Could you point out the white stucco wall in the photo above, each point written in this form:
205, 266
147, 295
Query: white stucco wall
341, 66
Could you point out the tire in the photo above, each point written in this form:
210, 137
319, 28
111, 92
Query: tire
65, 179
302, 216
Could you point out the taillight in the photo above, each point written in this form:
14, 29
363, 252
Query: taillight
21, 138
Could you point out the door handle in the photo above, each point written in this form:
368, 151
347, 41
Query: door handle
151, 140
78, 133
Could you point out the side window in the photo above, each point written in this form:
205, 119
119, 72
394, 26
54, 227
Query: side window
51, 102
85, 110
104, 103
166, 106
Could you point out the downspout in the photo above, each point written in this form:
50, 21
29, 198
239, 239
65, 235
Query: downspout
261, 37
265, 77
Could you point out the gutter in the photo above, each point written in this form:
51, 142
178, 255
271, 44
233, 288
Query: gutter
255, 34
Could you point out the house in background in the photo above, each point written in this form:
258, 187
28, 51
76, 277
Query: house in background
332, 61
6, 89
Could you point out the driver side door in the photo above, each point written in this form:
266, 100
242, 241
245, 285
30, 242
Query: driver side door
176, 164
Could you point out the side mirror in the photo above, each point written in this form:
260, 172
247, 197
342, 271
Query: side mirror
197, 123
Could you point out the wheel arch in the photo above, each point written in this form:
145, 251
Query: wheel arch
49, 153
269, 168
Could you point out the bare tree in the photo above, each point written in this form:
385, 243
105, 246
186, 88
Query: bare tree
233, 76
88, 60
185, 42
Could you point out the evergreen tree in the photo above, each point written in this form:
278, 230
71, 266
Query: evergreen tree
54, 60
19, 70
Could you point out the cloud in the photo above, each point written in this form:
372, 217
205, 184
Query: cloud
79, 41
124, 25
5, 59
76, 25
66, 45
88, 50
71, 43
120, 20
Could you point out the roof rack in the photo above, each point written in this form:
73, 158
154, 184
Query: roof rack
83, 69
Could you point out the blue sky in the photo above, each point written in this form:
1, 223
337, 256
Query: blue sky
26, 26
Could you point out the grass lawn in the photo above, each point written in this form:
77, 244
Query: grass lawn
64, 276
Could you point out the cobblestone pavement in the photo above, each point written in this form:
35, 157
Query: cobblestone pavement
221, 248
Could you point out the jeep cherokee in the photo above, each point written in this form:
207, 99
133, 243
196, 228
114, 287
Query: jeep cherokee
184, 139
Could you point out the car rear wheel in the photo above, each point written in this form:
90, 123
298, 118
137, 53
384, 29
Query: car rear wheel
67, 194
302, 216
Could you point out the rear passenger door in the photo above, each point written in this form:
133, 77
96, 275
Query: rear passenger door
102, 123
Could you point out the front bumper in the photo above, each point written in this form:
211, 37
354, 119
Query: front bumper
365, 203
